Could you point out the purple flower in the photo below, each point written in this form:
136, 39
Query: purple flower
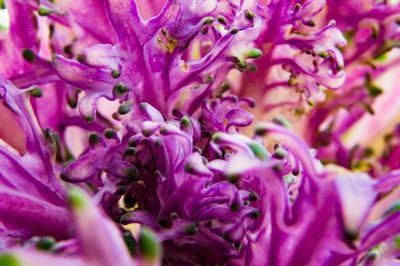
296, 54
131, 137
371, 58
149, 62
29, 187
100, 242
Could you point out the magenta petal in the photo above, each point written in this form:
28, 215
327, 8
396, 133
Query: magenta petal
35, 258
101, 240
16, 208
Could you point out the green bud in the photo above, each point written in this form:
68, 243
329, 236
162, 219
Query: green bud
234, 31
255, 214
120, 88
130, 151
148, 245
234, 207
253, 196
233, 178
351, 235
36, 92
241, 64
94, 138
8, 259
185, 122
221, 20
207, 21
249, 14
191, 229
46, 243
109, 133
115, 74
130, 242
81, 57
374, 90
124, 108
282, 121
323, 54
280, 153
132, 173
258, 150
44, 11
73, 103
28, 55
76, 198
254, 53
89, 118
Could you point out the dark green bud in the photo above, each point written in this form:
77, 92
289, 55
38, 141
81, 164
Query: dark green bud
46, 243
191, 229
282, 121
233, 178
277, 168
133, 173
234, 206
94, 138
249, 14
89, 118
28, 55
374, 90
253, 196
120, 88
255, 214
260, 131
280, 153
221, 20
207, 21
72, 103
351, 235
131, 151
130, 242
188, 168
234, 31
81, 57
115, 74
124, 108
241, 64
109, 133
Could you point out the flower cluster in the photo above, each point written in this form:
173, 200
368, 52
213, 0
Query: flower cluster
207, 132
